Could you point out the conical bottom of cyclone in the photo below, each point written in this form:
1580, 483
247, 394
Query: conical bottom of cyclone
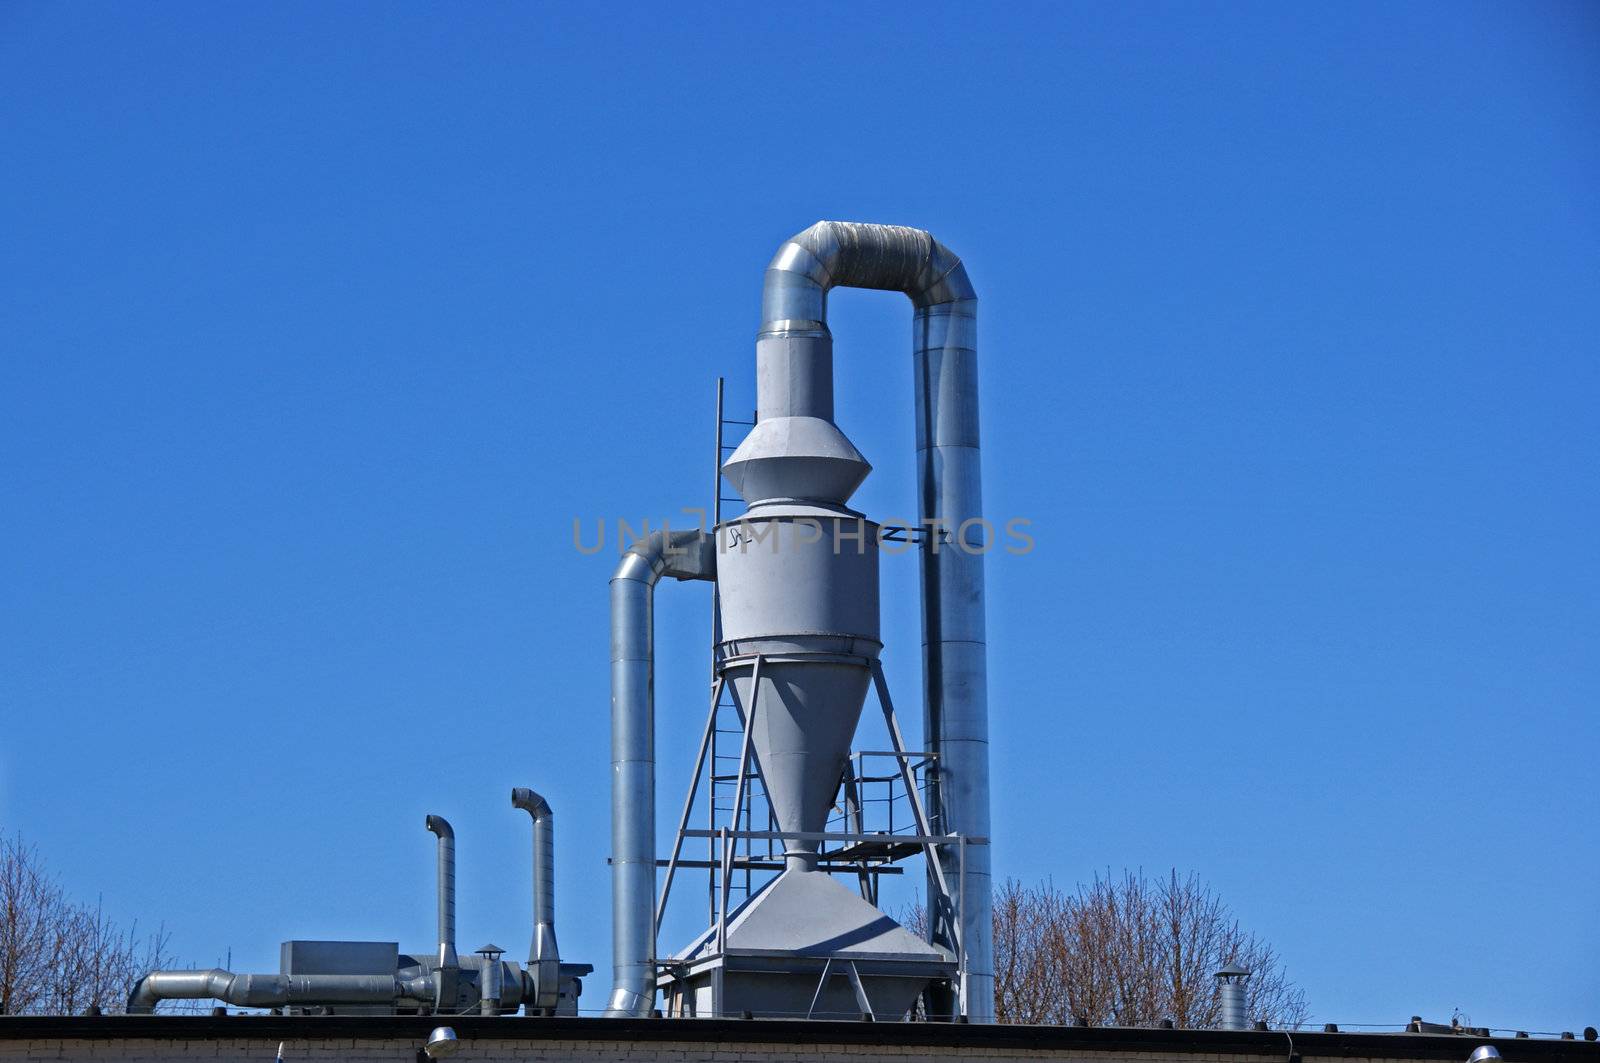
805, 717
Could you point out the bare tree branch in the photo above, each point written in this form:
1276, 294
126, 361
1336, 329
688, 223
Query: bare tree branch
1126, 951
58, 957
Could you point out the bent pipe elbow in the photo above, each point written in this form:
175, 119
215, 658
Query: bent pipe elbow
530, 802
682, 555
153, 988
842, 254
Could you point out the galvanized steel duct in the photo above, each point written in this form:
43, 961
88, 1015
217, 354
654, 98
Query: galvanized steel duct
447, 889
270, 990
794, 371
544, 958
683, 555
1231, 989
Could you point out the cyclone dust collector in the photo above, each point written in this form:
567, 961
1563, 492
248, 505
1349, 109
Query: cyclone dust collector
797, 587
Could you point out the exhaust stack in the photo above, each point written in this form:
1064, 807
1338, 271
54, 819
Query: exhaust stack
1231, 996
544, 958
447, 974
681, 555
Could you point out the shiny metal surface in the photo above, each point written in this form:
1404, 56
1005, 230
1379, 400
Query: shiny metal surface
781, 940
441, 1042
494, 985
447, 969
683, 555
447, 889
794, 368
261, 990
1231, 981
544, 958
491, 979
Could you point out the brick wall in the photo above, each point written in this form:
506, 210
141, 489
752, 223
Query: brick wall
130, 1050
158, 1039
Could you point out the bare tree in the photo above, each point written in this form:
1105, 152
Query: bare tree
1127, 951
58, 957
28, 901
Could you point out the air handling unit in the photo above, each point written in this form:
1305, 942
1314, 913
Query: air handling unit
797, 646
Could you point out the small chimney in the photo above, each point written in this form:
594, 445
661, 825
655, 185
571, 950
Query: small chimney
1230, 987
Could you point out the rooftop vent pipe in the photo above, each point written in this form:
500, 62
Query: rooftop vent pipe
447, 889
1231, 981
447, 974
544, 958
682, 555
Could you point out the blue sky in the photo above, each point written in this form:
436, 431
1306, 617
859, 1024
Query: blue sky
319, 325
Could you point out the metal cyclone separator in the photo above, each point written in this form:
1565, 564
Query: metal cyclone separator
797, 579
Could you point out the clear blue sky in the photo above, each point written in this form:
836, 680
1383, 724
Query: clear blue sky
319, 325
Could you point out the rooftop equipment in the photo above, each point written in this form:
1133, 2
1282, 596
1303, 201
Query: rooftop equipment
544, 958
1231, 993
797, 585
375, 977
797, 644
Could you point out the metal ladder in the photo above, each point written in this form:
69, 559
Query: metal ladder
728, 730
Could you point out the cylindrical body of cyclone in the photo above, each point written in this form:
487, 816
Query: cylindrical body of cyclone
798, 586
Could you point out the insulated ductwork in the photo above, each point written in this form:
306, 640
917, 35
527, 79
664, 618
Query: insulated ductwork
682, 555
796, 451
544, 958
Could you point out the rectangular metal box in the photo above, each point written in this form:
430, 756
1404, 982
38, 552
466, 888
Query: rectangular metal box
338, 957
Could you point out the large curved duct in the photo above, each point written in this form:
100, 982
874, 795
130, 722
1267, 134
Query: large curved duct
796, 449
682, 555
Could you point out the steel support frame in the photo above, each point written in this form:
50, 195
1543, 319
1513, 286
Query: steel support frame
724, 840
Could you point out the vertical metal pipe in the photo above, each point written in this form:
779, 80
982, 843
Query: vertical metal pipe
1231, 997
682, 555
633, 784
447, 889
954, 641
544, 957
